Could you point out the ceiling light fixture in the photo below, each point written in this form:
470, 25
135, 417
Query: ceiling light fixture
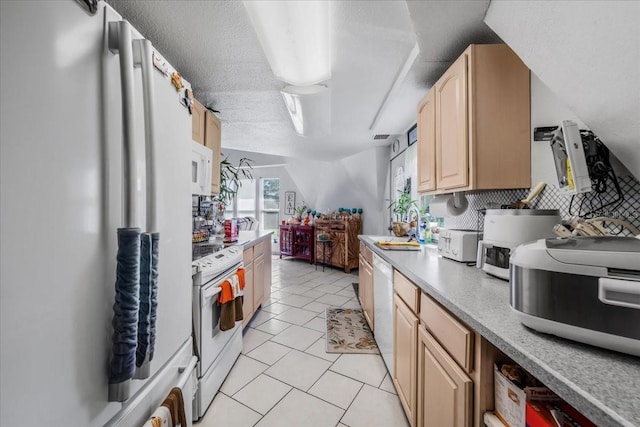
295, 38
309, 108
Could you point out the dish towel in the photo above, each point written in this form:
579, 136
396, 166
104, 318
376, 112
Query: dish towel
227, 306
231, 299
239, 301
240, 274
161, 417
175, 403
238, 296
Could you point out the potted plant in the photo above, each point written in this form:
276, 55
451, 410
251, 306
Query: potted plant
230, 182
401, 208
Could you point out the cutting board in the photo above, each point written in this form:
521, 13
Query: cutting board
399, 246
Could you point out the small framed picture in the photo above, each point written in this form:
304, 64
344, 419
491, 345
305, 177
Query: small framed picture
289, 202
413, 134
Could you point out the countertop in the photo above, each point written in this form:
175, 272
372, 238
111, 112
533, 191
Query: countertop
246, 239
603, 385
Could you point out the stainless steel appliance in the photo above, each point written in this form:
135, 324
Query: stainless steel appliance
459, 245
383, 308
217, 350
505, 229
583, 288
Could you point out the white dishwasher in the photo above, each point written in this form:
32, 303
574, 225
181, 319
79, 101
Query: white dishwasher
383, 308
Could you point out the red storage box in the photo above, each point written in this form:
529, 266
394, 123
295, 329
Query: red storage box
539, 414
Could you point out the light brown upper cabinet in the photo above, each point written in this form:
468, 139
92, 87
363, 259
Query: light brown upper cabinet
474, 124
206, 129
213, 140
427, 143
197, 122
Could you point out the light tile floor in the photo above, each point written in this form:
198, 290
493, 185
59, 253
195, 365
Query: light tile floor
284, 377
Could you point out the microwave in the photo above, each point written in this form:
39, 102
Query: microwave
201, 166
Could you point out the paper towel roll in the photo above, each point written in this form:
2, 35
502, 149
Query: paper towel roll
444, 205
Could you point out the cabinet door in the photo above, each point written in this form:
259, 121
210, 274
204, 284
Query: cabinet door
258, 281
286, 240
368, 305
212, 139
405, 341
197, 122
452, 127
427, 143
247, 304
267, 270
338, 248
365, 289
361, 279
444, 390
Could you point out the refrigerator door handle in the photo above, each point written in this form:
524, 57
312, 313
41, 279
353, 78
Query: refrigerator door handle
143, 58
119, 43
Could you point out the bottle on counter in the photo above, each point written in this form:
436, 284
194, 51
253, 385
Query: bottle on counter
421, 232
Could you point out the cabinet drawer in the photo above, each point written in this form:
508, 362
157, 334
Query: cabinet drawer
456, 338
406, 290
258, 249
247, 256
366, 253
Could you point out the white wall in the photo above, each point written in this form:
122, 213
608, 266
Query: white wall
357, 181
547, 109
588, 54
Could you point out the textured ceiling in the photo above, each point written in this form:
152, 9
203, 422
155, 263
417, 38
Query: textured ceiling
215, 48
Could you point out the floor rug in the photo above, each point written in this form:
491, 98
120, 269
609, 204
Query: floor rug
348, 332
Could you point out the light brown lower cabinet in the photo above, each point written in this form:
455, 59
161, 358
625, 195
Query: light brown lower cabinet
259, 278
365, 290
257, 275
445, 391
247, 302
405, 341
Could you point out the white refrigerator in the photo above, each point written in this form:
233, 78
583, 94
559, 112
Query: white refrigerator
61, 204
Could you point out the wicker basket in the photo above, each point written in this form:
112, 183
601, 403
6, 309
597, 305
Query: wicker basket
401, 229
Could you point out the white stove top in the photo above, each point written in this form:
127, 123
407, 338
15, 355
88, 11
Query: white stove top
218, 262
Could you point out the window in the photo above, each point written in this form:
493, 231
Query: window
246, 199
269, 203
266, 191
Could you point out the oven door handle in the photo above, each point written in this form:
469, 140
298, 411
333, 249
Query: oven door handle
210, 293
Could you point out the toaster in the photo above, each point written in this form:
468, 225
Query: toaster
459, 245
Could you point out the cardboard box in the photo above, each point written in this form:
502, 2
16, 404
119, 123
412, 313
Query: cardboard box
511, 400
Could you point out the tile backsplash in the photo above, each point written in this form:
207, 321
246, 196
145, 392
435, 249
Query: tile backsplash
550, 198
